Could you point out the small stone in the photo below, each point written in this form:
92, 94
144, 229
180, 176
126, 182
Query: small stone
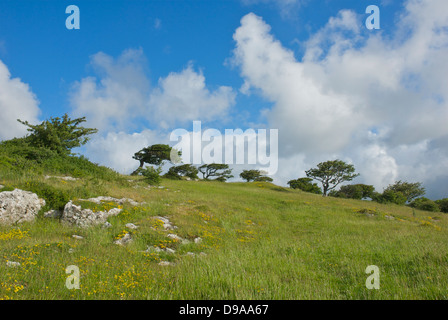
77, 237
131, 226
190, 254
125, 240
54, 214
174, 236
165, 263
163, 219
169, 250
153, 249
107, 225
203, 254
12, 264
198, 240
390, 217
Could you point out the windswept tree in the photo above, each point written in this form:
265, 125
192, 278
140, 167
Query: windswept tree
154, 155
255, 175
409, 190
219, 170
184, 170
305, 184
58, 134
332, 173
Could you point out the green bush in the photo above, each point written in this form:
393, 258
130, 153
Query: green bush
354, 191
305, 184
389, 196
152, 175
425, 204
443, 205
54, 198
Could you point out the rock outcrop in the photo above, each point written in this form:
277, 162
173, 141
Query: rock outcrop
18, 206
99, 200
75, 215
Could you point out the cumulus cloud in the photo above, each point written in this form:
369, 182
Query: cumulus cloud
17, 101
379, 101
115, 150
183, 97
121, 103
118, 97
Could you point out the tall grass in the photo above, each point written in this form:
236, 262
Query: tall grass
259, 241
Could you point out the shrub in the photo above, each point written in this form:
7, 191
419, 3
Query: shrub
424, 204
151, 174
443, 205
354, 191
389, 196
54, 198
305, 184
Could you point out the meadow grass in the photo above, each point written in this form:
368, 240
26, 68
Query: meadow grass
259, 241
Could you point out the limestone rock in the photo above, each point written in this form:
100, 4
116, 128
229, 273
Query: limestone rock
198, 240
75, 215
107, 225
53, 214
19, 206
99, 200
12, 264
124, 241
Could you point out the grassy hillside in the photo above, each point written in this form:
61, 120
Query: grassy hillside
260, 241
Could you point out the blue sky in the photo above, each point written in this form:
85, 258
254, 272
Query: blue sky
309, 68
38, 48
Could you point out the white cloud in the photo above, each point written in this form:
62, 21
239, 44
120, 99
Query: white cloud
183, 97
119, 97
352, 84
115, 150
17, 101
121, 104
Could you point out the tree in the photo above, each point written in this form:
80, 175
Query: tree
154, 155
185, 170
424, 204
389, 196
219, 170
332, 173
443, 205
305, 184
255, 175
409, 190
60, 135
354, 191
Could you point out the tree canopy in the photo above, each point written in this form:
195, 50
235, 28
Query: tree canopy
155, 154
184, 170
354, 191
59, 134
255, 175
219, 170
305, 184
332, 173
407, 189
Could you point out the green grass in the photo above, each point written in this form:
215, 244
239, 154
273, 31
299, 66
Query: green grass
261, 242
